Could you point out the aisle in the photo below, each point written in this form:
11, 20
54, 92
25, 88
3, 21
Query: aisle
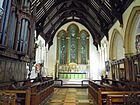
70, 96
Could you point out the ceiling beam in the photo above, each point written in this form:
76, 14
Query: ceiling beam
97, 15
85, 20
93, 31
116, 11
82, 11
88, 5
56, 4
50, 42
103, 22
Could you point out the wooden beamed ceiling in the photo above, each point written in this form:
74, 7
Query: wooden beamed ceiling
97, 16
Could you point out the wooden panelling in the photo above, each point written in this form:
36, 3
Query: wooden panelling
12, 69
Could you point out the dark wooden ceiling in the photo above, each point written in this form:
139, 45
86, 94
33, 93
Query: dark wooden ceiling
97, 16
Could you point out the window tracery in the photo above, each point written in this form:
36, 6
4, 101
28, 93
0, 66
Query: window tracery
73, 46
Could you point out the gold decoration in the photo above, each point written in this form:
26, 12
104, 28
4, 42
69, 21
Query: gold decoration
73, 67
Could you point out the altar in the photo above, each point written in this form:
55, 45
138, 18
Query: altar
73, 71
72, 75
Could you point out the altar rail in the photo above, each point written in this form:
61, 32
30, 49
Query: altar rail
29, 93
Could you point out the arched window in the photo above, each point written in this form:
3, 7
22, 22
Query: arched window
83, 47
73, 46
62, 47
73, 43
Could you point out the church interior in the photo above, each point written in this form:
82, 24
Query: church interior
69, 52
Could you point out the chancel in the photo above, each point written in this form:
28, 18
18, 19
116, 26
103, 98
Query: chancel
69, 52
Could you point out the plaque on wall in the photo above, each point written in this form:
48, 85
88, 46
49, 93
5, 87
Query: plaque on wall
138, 44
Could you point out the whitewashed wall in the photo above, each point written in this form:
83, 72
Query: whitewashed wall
41, 57
94, 62
52, 58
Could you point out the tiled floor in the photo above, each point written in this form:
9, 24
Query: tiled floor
70, 96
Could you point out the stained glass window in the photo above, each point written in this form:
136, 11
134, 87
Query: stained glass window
62, 48
83, 47
73, 45
72, 53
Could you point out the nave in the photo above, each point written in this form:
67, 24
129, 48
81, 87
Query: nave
44, 42
70, 96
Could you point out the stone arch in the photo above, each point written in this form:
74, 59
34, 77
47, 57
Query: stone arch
61, 32
116, 50
73, 26
130, 32
83, 30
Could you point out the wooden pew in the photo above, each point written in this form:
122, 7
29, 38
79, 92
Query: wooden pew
7, 99
96, 89
30, 93
108, 94
127, 72
41, 91
123, 98
24, 100
22, 93
104, 93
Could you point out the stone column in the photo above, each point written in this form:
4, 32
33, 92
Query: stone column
105, 47
46, 59
100, 59
103, 56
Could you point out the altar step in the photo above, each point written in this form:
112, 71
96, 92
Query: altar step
73, 86
71, 83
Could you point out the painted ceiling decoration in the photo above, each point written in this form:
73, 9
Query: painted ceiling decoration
97, 16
